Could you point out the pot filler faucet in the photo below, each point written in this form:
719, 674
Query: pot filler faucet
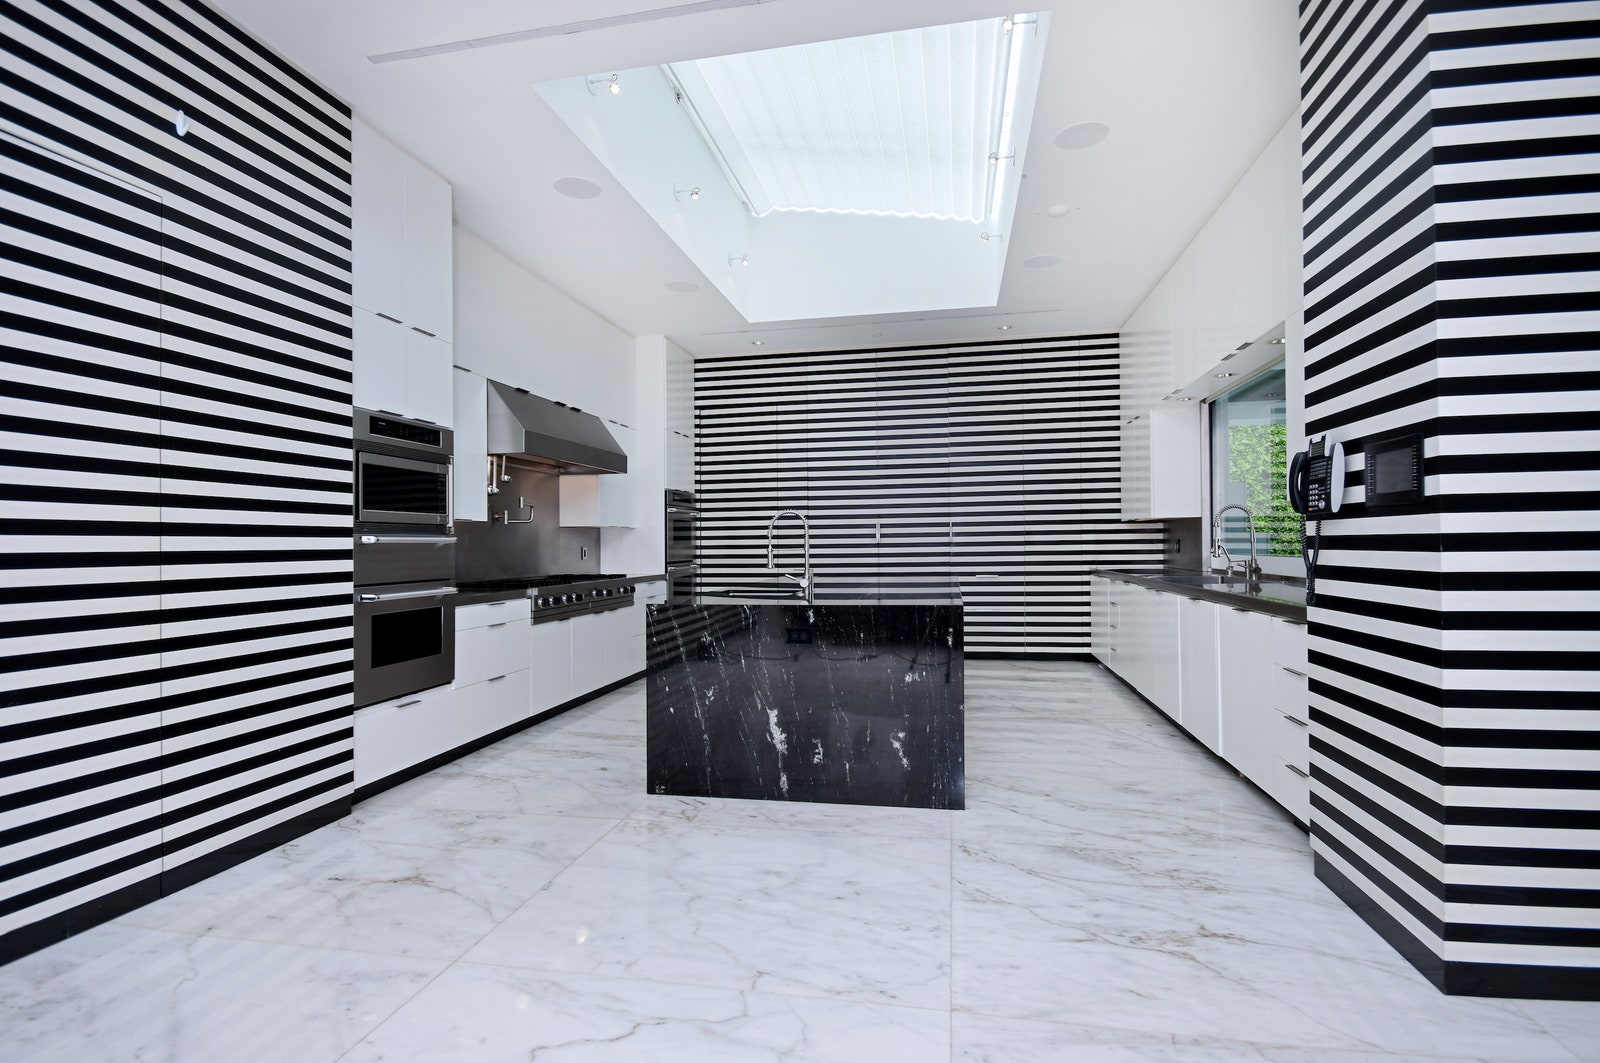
803, 580
1251, 569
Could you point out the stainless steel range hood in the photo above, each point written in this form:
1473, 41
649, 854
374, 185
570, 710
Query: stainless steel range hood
549, 435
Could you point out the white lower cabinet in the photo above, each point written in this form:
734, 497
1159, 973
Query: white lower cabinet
602, 648
551, 643
395, 735
499, 701
1234, 678
1290, 701
1197, 672
1249, 723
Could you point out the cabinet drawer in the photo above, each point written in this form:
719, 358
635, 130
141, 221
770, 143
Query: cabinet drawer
1290, 643
394, 735
485, 652
1293, 742
485, 613
1290, 695
495, 703
1295, 793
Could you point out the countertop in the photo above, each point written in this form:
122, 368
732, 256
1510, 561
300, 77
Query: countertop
832, 592
1274, 595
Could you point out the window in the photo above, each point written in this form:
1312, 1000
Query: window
1249, 459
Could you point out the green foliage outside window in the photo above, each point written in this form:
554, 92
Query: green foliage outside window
1257, 457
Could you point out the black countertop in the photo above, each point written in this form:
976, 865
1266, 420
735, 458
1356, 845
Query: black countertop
1273, 595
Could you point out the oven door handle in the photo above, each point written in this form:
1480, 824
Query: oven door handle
681, 566
432, 592
414, 540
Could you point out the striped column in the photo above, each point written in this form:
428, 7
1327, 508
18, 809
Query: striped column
175, 502
1451, 289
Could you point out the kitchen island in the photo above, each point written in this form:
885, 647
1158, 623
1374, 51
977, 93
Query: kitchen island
850, 702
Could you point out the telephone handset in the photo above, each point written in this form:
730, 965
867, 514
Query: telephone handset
1316, 479
1316, 489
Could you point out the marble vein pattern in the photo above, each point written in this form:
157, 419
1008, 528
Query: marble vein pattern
1110, 893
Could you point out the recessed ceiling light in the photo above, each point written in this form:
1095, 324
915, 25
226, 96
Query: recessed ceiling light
1005, 328
1082, 135
1041, 261
1224, 376
577, 188
1060, 210
682, 286
758, 343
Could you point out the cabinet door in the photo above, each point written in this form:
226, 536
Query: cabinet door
470, 420
379, 363
428, 379
499, 701
427, 266
394, 735
1136, 468
1201, 712
1249, 721
1100, 619
551, 663
377, 223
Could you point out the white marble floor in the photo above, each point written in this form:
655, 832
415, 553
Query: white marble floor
1110, 893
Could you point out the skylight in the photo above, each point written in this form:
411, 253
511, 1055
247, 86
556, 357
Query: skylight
907, 124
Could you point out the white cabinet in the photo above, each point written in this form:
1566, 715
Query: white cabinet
401, 265
1198, 681
602, 649
1290, 702
401, 257
1249, 722
603, 501
1100, 619
399, 370
1142, 632
551, 664
1161, 470
395, 735
493, 685
469, 393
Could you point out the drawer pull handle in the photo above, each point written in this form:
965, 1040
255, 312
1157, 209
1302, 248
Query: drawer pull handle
1294, 671
502, 623
387, 317
408, 704
496, 679
1297, 771
1297, 723
496, 605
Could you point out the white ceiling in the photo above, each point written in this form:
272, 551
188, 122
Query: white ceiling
1192, 91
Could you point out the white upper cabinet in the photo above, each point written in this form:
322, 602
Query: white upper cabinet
377, 224
603, 500
470, 394
428, 269
401, 270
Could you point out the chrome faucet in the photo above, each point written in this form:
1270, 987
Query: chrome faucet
1251, 569
804, 580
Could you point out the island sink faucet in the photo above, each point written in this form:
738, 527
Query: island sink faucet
1251, 569
804, 580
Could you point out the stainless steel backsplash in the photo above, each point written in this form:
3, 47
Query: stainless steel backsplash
497, 551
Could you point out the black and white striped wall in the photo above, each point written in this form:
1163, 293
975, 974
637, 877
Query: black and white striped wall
995, 464
175, 473
1452, 193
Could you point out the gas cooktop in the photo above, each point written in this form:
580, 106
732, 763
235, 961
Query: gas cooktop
562, 595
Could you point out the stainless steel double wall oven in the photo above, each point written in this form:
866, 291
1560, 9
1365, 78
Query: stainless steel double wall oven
405, 557
683, 545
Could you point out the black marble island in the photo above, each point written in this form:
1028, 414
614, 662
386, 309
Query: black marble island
854, 702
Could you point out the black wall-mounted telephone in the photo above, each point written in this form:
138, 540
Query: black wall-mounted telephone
1316, 489
1316, 479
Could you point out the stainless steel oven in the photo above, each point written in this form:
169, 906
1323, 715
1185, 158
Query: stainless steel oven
683, 527
405, 639
403, 471
405, 557
683, 581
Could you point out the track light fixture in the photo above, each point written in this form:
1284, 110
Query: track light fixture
691, 193
995, 157
742, 260
986, 237
611, 84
